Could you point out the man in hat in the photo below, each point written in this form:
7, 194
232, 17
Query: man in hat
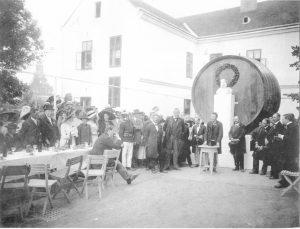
49, 130
84, 131
30, 130
126, 134
106, 141
10, 137
138, 136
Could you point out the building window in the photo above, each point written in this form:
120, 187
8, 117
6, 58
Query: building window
86, 55
114, 91
115, 51
214, 55
187, 106
254, 54
189, 65
246, 20
98, 9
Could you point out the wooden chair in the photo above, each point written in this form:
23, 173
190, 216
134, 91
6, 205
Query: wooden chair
63, 177
293, 185
15, 190
96, 166
112, 157
40, 187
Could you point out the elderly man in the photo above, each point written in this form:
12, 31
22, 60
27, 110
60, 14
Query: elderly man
48, 127
106, 142
290, 138
237, 143
213, 135
174, 128
197, 134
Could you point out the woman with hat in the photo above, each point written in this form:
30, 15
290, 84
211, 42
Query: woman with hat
10, 137
68, 130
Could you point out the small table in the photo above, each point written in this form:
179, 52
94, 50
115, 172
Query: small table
211, 151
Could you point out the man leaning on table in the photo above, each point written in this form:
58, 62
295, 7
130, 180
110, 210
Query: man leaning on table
107, 142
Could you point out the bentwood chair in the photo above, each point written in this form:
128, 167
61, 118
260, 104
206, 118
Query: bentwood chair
14, 189
96, 166
64, 177
39, 186
112, 157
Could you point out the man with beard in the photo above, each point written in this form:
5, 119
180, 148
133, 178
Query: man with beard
237, 143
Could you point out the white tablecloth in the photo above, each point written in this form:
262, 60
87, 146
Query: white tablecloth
55, 159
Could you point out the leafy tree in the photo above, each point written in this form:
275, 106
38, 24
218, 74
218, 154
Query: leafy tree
296, 64
20, 44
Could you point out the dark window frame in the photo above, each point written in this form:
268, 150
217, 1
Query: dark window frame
87, 55
187, 106
98, 9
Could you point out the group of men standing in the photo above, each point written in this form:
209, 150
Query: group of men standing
276, 143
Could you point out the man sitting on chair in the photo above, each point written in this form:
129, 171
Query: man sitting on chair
107, 142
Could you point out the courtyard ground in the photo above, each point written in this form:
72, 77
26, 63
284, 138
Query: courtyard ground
185, 198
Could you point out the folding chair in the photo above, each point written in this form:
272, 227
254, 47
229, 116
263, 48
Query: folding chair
40, 187
293, 185
15, 191
96, 166
63, 177
112, 157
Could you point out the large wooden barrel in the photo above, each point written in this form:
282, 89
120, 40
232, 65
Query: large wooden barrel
256, 90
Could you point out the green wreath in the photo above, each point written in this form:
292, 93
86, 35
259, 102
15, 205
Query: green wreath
228, 66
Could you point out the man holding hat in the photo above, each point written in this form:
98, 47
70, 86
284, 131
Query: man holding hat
49, 131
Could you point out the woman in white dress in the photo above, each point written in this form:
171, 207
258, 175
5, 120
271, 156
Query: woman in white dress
68, 131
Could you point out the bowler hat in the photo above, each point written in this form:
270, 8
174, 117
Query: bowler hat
48, 106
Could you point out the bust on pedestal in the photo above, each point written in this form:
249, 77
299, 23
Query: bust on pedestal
224, 105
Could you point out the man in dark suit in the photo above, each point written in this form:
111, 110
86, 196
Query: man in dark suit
290, 138
259, 137
197, 134
174, 128
275, 146
30, 130
237, 143
106, 141
153, 142
213, 135
48, 127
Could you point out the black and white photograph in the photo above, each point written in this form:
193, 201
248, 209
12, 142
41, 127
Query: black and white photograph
149, 113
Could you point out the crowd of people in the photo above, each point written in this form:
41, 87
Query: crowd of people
150, 141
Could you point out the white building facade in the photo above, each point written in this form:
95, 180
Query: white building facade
128, 54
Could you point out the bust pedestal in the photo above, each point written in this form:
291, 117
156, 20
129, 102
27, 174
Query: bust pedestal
224, 106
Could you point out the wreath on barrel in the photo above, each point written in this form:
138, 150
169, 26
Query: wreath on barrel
228, 66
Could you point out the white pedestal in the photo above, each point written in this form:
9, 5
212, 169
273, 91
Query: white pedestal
224, 106
248, 159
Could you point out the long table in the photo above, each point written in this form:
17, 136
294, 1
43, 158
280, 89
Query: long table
54, 159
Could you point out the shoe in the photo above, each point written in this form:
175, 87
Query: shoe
242, 170
279, 186
236, 169
154, 171
132, 178
205, 169
128, 168
273, 178
163, 171
176, 168
263, 173
192, 166
214, 170
197, 165
253, 172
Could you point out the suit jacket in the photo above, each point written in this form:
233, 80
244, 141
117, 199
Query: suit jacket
49, 131
138, 126
214, 134
291, 141
104, 142
29, 133
173, 128
259, 135
201, 132
238, 132
153, 139
275, 144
